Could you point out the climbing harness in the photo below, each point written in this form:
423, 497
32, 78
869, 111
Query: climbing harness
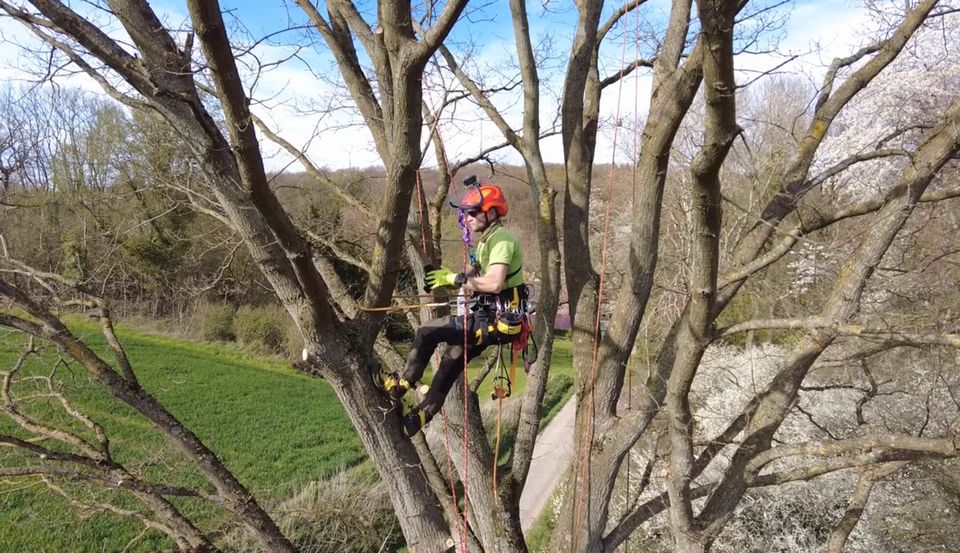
512, 321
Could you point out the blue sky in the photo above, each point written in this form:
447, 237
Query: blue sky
831, 26
308, 112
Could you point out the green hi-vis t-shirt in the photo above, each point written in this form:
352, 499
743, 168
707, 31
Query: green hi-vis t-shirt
499, 245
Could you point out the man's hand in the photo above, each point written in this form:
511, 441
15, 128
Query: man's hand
441, 277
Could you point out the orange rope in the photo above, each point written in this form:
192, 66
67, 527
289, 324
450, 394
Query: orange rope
466, 394
463, 525
500, 396
460, 521
496, 448
584, 472
635, 163
402, 307
450, 478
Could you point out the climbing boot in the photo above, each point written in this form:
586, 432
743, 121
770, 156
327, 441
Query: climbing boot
413, 421
394, 385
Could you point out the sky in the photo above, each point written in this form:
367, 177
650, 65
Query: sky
302, 102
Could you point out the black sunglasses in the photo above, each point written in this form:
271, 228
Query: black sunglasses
472, 212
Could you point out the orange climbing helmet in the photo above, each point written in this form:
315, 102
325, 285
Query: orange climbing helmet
484, 197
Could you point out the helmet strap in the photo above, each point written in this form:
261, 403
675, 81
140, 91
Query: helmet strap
489, 222
489, 226
486, 221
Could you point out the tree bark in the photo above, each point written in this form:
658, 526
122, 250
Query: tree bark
717, 18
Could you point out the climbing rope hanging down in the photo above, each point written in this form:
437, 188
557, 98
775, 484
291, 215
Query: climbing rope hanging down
582, 481
461, 516
497, 315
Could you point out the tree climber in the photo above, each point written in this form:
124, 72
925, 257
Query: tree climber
495, 283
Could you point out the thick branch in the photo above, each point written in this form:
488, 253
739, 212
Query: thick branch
236, 497
794, 183
89, 36
212, 34
818, 222
875, 334
102, 478
340, 42
861, 495
626, 70
435, 35
617, 14
877, 445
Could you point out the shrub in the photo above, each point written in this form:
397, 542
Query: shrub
263, 329
215, 321
338, 514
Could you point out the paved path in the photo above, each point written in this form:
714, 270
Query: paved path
551, 456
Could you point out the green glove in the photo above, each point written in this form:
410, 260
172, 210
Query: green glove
438, 278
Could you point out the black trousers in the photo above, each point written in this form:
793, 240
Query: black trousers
448, 330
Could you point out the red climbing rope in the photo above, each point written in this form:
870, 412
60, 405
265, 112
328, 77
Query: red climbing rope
461, 515
466, 394
583, 475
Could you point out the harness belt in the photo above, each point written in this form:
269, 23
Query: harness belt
502, 313
509, 297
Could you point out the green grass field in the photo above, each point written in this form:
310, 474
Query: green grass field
273, 427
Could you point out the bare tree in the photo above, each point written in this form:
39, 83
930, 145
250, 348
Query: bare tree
163, 83
694, 55
606, 432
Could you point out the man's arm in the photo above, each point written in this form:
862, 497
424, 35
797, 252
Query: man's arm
490, 283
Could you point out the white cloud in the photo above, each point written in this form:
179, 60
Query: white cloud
306, 111
817, 32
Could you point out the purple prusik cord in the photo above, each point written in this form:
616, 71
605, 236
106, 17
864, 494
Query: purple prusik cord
466, 236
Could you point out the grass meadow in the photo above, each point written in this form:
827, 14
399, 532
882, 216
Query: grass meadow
276, 429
